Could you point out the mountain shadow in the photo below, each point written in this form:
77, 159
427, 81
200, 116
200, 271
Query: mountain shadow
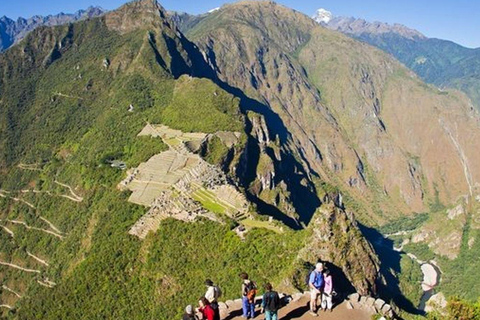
390, 260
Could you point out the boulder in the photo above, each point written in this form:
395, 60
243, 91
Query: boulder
355, 297
385, 309
222, 305
370, 310
370, 302
229, 303
297, 296
379, 303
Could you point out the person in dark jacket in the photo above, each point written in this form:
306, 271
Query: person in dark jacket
270, 303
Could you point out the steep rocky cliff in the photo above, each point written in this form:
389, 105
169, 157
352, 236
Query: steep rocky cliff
352, 115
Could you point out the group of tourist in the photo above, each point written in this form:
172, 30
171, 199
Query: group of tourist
319, 282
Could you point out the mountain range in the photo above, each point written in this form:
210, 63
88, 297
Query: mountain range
12, 31
439, 62
143, 151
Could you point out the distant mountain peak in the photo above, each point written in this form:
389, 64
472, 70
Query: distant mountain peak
322, 16
12, 31
213, 10
356, 26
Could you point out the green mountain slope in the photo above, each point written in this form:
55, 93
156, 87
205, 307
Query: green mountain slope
440, 62
73, 100
359, 120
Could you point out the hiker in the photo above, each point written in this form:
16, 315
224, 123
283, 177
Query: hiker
270, 303
327, 291
205, 309
315, 283
189, 315
249, 290
212, 295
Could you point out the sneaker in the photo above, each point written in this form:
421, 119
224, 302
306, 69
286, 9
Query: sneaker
313, 314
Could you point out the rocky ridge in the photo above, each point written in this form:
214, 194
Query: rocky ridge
12, 31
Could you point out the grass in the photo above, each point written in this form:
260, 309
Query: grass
209, 201
261, 224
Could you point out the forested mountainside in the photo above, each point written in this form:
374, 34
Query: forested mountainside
439, 62
131, 153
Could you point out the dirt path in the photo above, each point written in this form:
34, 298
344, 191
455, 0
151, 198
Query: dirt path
47, 283
33, 167
74, 197
18, 267
51, 225
300, 310
11, 291
10, 232
3, 195
45, 263
35, 228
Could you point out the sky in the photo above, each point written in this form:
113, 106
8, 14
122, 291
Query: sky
456, 20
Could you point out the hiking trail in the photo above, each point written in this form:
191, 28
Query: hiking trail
11, 291
297, 309
18, 267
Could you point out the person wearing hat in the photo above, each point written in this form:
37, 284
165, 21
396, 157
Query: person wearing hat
212, 295
189, 315
315, 283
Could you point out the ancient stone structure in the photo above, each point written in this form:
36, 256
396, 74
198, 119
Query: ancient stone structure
168, 181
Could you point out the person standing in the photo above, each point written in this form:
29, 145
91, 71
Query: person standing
270, 303
315, 284
212, 295
249, 291
327, 291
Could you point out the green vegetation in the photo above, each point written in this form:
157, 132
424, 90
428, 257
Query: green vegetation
199, 105
420, 250
404, 224
463, 271
439, 62
67, 121
209, 201
261, 224
410, 278
216, 151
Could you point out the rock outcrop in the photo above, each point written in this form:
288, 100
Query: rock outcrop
336, 240
351, 114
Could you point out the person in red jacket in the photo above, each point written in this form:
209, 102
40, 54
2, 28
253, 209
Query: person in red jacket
205, 309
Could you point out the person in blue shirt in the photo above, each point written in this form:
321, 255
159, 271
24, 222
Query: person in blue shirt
315, 283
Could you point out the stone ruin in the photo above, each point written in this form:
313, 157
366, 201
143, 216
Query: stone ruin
167, 181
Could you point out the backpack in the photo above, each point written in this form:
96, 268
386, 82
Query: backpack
218, 292
317, 274
251, 291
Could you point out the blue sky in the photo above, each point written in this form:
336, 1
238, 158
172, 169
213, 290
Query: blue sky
456, 20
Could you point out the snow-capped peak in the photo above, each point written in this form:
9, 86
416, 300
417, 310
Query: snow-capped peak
213, 10
322, 16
